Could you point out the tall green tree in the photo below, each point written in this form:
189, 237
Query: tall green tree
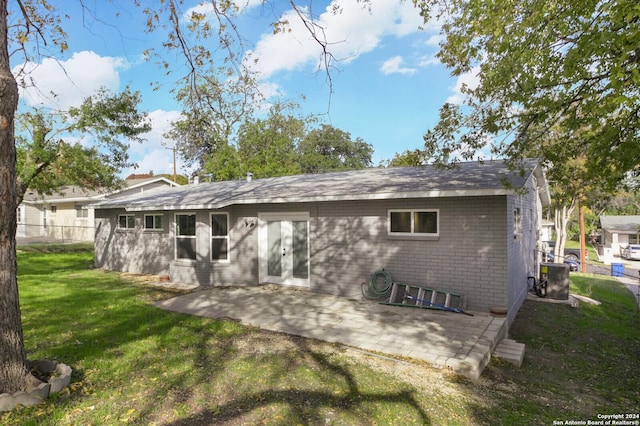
49, 156
223, 164
213, 107
267, 147
573, 66
564, 75
331, 149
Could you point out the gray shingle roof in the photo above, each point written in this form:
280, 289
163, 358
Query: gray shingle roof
71, 193
621, 224
469, 179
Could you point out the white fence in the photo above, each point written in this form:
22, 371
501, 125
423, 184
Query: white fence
59, 233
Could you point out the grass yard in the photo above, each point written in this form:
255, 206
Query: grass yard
133, 363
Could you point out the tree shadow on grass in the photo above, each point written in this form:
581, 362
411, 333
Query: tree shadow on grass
305, 405
213, 363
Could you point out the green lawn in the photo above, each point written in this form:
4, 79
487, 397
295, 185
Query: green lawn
137, 364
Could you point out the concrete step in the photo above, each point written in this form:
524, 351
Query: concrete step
511, 351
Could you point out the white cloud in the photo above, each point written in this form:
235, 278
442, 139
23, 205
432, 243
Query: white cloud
429, 60
393, 66
206, 8
201, 9
155, 153
435, 40
469, 80
350, 29
61, 84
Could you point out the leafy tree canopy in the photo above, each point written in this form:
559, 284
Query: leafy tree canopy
571, 67
50, 150
282, 145
267, 147
408, 158
330, 149
213, 108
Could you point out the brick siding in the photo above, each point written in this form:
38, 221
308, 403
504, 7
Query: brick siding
475, 254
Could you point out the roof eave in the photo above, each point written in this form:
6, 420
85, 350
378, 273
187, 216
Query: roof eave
66, 200
543, 186
323, 198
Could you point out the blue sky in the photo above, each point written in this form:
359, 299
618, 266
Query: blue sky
387, 85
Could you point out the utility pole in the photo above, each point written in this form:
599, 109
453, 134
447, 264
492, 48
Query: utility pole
583, 260
175, 176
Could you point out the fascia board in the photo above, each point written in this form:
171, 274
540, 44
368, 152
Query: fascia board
543, 186
64, 200
150, 181
283, 200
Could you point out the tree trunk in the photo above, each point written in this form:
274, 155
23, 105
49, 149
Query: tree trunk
12, 354
561, 217
583, 248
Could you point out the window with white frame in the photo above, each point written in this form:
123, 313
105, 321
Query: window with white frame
413, 222
126, 221
186, 236
219, 236
517, 220
19, 214
82, 212
154, 222
53, 209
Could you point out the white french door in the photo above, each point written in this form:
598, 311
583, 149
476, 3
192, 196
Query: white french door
284, 248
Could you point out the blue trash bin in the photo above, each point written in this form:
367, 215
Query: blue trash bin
617, 269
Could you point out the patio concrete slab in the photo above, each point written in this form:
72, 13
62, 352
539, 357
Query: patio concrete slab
446, 339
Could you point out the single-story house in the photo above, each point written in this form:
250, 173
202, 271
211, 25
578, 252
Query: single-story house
619, 231
459, 230
67, 214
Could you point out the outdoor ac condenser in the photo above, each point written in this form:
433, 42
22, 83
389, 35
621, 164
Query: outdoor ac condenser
557, 276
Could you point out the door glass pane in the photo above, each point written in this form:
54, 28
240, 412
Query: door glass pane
300, 250
274, 245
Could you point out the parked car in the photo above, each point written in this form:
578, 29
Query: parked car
631, 252
569, 253
573, 265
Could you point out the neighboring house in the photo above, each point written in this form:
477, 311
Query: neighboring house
546, 230
619, 231
67, 214
459, 230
